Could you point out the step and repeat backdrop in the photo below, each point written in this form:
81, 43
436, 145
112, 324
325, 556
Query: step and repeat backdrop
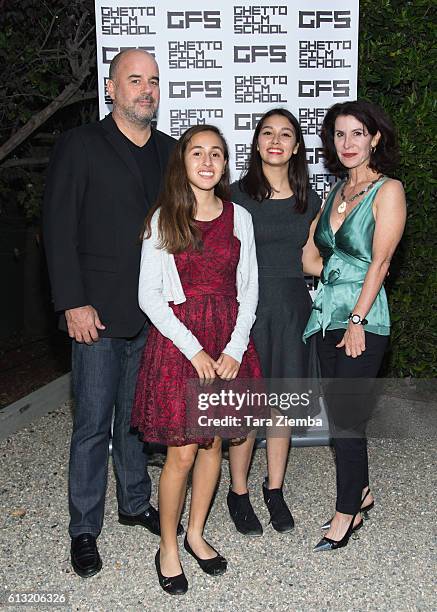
228, 64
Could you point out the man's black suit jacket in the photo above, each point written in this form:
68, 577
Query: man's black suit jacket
94, 209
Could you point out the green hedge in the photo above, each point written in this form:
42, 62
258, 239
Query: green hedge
396, 71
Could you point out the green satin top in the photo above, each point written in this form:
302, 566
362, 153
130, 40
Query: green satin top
347, 255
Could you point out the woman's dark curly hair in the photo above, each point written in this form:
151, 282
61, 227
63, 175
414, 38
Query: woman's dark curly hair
384, 158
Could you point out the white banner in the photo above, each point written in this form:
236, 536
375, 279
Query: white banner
228, 65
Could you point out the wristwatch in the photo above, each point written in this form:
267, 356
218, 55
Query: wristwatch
356, 319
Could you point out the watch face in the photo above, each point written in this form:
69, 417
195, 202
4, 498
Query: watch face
356, 318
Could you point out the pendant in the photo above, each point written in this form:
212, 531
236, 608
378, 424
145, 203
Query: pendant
341, 208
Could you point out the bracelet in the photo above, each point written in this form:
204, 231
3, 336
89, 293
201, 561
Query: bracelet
356, 319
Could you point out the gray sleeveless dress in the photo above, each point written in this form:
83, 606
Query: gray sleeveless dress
284, 302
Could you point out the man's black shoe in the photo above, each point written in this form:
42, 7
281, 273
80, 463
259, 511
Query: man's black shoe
85, 557
148, 519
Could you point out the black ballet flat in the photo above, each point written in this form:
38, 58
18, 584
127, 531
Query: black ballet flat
363, 510
173, 585
214, 567
329, 544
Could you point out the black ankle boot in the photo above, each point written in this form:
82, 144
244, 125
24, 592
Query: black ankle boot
280, 516
243, 515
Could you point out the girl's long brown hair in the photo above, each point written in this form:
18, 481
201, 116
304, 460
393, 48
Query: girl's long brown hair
177, 229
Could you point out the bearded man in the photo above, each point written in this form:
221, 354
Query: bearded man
102, 180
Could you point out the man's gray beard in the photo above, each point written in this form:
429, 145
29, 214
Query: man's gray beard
129, 114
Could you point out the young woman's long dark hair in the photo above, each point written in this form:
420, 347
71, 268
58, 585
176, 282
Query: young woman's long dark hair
177, 227
253, 180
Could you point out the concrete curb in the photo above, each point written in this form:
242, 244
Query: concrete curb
35, 405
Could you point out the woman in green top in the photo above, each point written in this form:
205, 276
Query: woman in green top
361, 224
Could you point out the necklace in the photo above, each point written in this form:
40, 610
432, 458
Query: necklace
341, 208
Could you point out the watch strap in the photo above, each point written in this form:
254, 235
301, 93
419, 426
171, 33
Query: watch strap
356, 319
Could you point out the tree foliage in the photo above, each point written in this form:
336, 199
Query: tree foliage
48, 72
396, 71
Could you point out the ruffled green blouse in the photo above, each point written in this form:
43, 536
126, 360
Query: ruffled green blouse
346, 255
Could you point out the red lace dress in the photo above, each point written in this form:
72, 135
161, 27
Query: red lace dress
210, 311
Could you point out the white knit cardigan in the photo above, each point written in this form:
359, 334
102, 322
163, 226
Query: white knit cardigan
160, 284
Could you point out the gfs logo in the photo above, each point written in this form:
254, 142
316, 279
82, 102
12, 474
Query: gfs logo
246, 121
108, 53
183, 20
250, 54
314, 155
186, 89
314, 89
317, 19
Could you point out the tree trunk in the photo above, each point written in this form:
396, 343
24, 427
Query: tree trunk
39, 119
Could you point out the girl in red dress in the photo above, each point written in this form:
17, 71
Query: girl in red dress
199, 287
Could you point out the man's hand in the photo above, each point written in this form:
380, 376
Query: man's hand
227, 367
83, 323
205, 366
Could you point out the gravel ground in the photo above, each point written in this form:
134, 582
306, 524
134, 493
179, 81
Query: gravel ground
391, 566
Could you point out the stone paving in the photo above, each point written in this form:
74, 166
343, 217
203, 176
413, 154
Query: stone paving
391, 566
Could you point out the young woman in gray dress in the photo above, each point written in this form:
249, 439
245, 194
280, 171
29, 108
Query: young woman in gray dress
275, 190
